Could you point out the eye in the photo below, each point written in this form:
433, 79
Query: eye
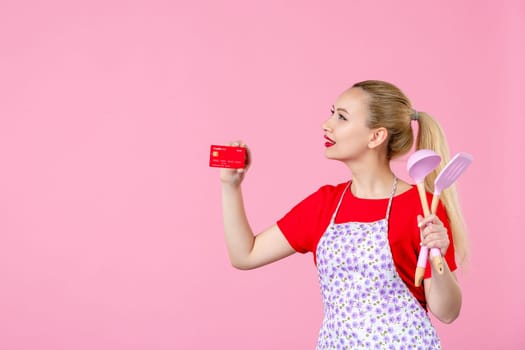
341, 117
332, 111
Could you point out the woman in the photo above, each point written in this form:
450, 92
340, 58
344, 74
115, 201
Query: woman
365, 234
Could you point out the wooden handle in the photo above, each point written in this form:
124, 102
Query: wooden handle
423, 198
420, 273
435, 201
437, 262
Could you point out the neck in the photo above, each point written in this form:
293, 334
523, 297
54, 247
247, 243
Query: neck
371, 179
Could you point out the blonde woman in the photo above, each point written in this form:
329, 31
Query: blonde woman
365, 233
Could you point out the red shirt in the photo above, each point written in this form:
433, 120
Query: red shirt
304, 225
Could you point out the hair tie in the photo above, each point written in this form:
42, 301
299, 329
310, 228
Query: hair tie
415, 115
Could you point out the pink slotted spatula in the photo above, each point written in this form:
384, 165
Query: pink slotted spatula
446, 177
450, 173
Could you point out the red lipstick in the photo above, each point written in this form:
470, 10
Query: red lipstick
329, 142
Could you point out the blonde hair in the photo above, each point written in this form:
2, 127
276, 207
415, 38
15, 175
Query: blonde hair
391, 109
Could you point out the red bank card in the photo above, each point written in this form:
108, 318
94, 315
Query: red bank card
227, 157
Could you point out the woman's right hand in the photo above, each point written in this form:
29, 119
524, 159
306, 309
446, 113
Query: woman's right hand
235, 177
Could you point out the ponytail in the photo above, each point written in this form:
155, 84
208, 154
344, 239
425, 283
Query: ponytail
431, 136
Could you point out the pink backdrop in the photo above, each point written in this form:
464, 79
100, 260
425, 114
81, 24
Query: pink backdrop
110, 219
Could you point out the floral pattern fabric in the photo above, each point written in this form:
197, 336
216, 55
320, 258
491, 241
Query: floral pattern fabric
366, 304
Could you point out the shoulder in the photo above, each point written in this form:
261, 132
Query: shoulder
332, 190
305, 223
327, 194
324, 198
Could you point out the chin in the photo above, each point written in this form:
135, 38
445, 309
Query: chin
330, 156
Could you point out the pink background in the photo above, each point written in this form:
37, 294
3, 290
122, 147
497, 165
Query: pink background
110, 219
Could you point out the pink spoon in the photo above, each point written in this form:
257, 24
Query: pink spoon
419, 165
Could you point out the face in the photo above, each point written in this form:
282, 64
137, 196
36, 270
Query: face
347, 136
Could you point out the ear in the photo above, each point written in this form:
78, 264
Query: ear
377, 137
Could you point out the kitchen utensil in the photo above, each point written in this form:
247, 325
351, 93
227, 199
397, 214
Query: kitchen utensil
419, 165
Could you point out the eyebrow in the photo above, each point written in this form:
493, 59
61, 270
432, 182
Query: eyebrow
341, 109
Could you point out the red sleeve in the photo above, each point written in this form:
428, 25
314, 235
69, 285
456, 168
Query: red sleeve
450, 255
305, 223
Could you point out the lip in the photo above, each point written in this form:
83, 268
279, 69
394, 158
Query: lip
329, 142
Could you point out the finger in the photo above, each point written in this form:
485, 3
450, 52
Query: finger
441, 244
240, 143
430, 219
436, 240
427, 230
434, 236
422, 221
435, 219
248, 159
434, 229
427, 220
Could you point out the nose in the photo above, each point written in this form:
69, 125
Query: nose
326, 125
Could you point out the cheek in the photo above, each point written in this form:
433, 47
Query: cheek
354, 137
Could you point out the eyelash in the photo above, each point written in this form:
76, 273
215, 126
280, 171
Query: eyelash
340, 116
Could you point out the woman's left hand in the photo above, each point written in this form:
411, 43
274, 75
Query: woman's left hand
433, 233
